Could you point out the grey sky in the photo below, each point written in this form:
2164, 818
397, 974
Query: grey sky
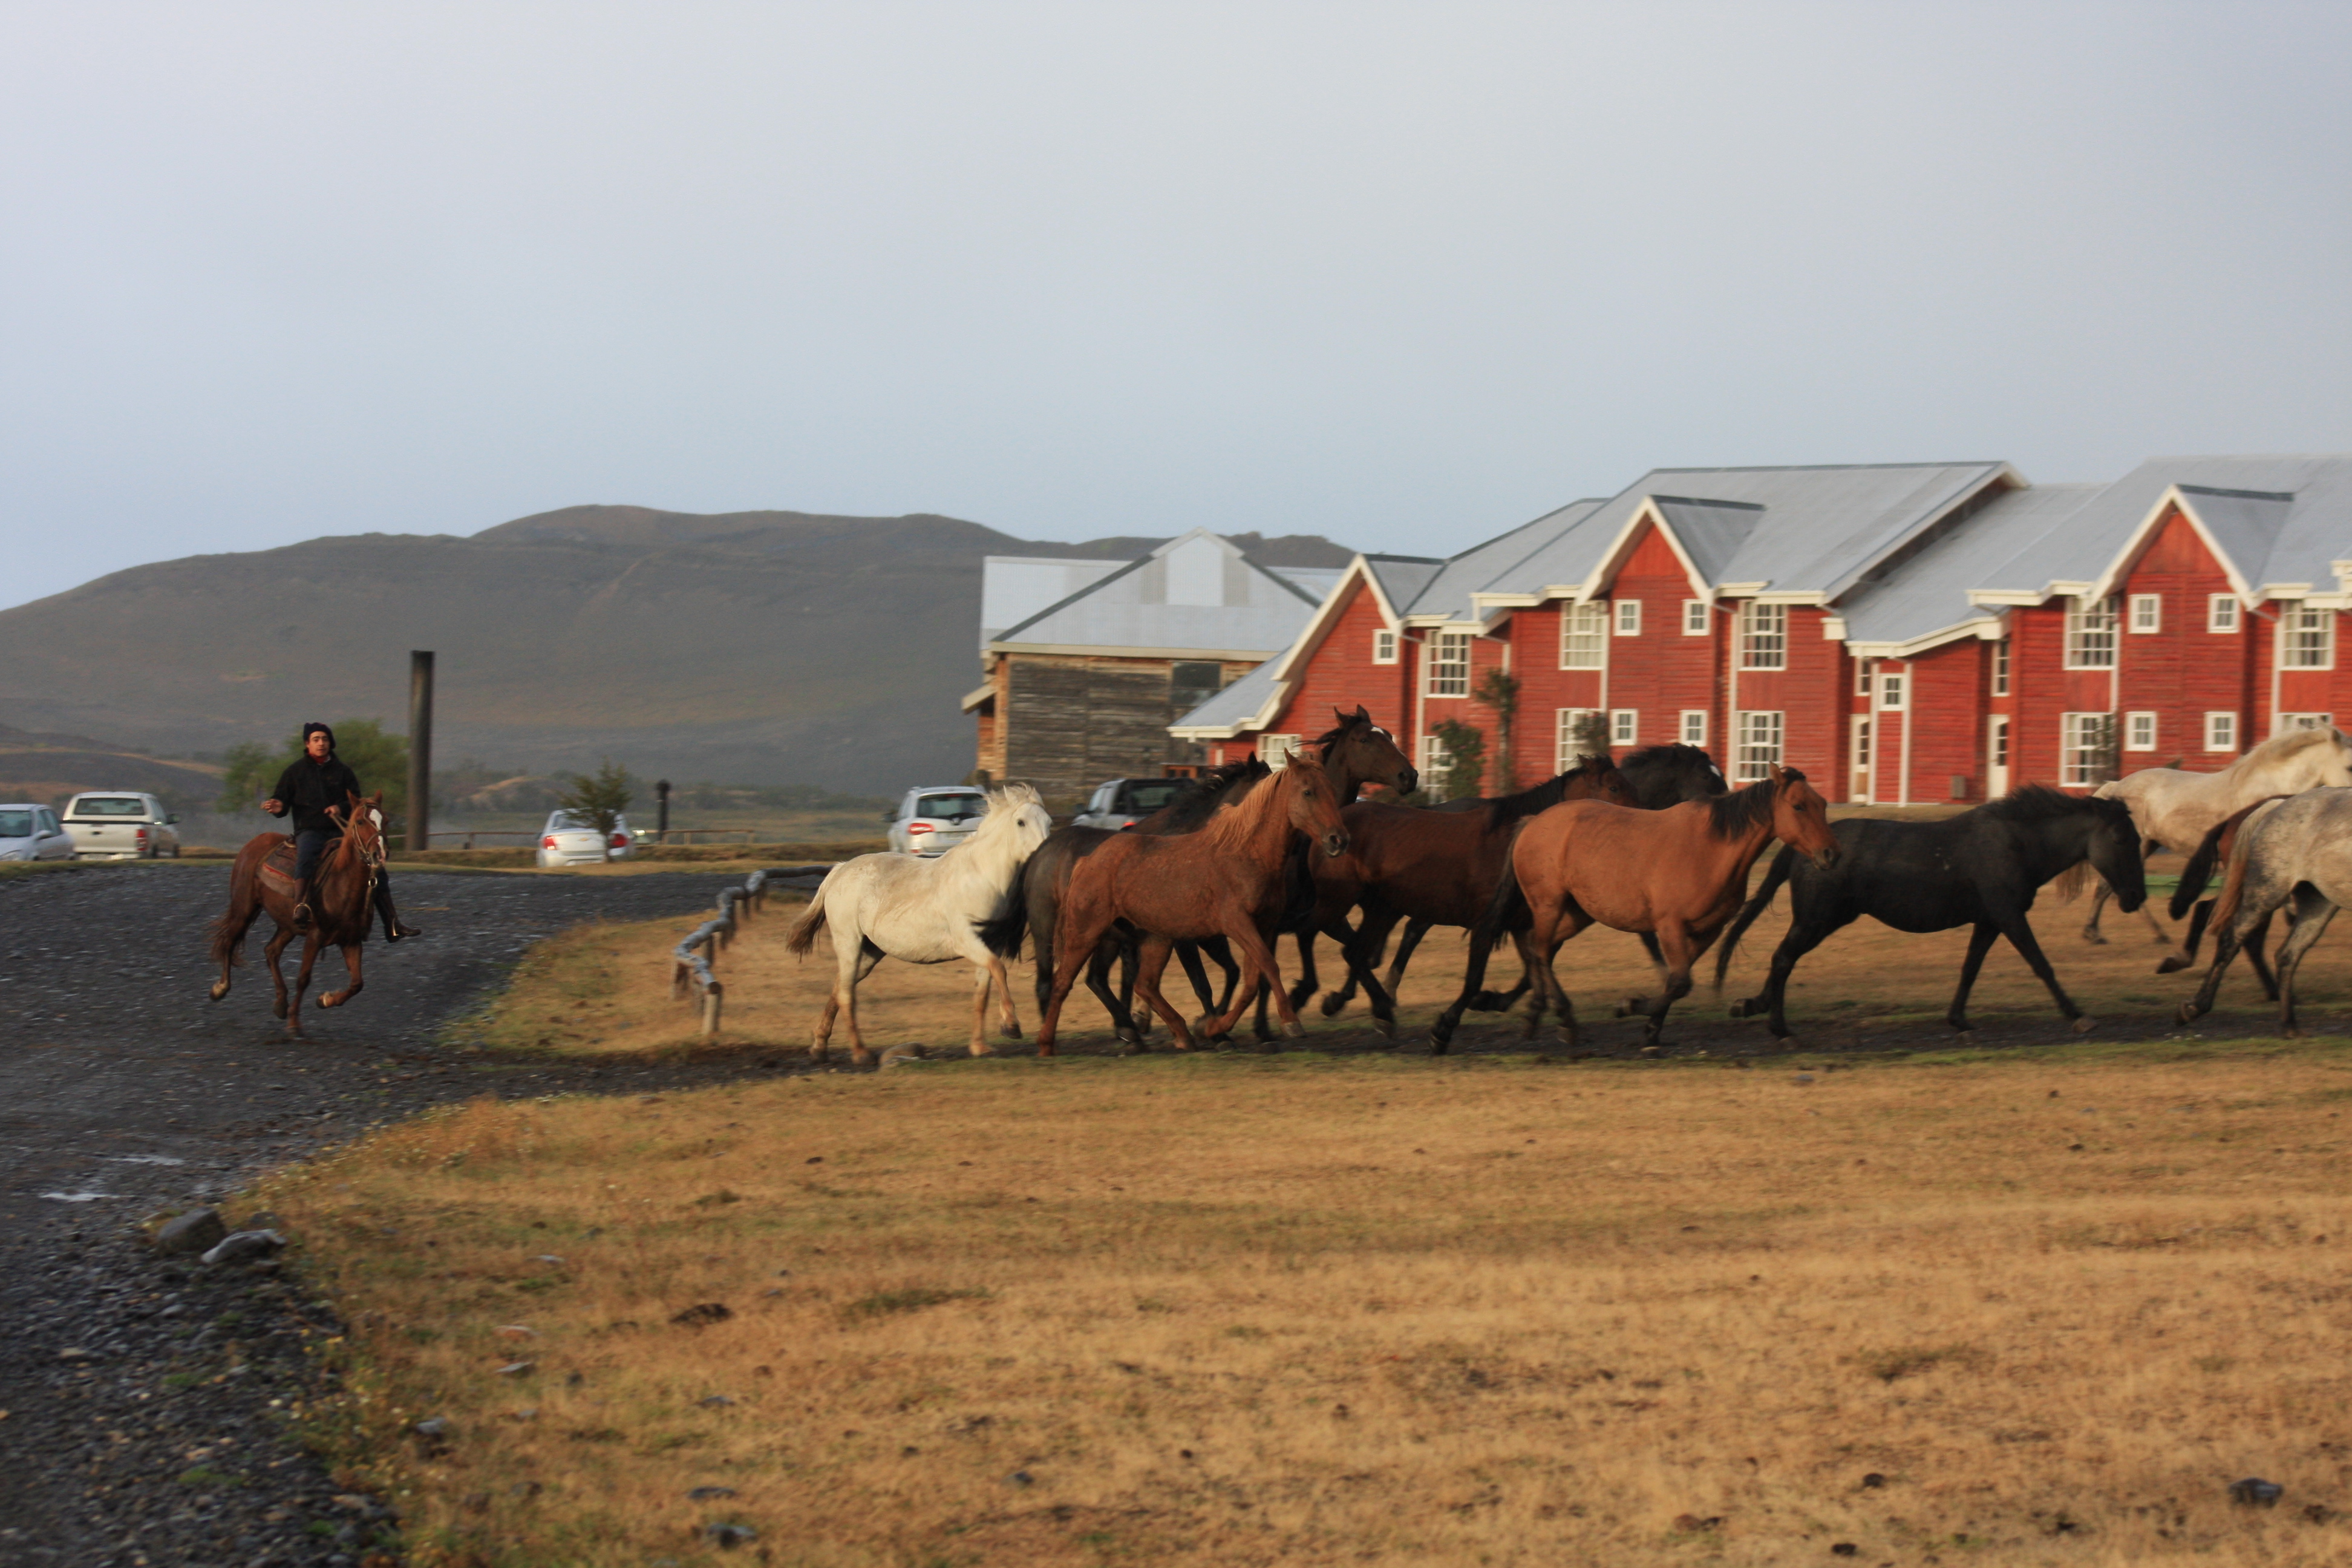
1403, 275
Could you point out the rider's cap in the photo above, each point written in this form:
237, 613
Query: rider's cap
315, 728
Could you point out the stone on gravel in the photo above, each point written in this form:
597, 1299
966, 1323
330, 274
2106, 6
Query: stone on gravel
2256, 1492
198, 1230
246, 1246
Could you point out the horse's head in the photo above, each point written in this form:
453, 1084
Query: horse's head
1311, 803
1019, 812
2112, 849
1801, 817
1357, 752
2336, 760
1597, 778
362, 822
1670, 774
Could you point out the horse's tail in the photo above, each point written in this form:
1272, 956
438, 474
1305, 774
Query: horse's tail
804, 936
229, 932
1782, 864
2234, 881
2214, 847
1508, 904
1002, 931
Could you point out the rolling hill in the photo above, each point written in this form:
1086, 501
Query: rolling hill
751, 647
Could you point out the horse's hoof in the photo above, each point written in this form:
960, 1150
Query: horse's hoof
2094, 938
1295, 1030
2185, 1014
982, 1048
2172, 965
1386, 1027
1127, 1038
1332, 1004
220, 989
1046, 1051
1964, 1037
1012, 1029
277, 1010
2292, 1032
1786, 1043
1743, 1007
2085, 1025
1567, 1036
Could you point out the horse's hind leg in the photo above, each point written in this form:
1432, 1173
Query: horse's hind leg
1679, 952
1413, 931
1098, 971
868, 956
301, 985
2312, 911
2200, 912
1309, 982
271, 951
2021, 937
1012, 1017
2255, 939
983, 977
1153, 963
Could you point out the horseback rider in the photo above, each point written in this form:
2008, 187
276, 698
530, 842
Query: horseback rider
311, 783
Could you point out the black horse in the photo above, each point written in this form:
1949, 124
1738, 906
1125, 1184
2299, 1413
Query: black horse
1981, 868
1661, 776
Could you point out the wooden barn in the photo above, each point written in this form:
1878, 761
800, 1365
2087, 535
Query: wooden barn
1087, 662
1904, 633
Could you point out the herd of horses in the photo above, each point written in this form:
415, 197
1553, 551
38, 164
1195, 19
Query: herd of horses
1656, 844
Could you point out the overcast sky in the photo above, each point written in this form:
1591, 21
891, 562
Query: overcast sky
1401, 275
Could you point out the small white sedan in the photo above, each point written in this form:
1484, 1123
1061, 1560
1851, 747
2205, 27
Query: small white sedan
568, 841
33, 833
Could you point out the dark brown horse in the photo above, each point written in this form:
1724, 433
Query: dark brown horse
1228, 881
343, 903
1432, 867
1680, 874
1356, 754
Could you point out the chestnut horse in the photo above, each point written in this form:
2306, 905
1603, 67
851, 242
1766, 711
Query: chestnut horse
1432, 867
1229, 879
1680, 874
341, 907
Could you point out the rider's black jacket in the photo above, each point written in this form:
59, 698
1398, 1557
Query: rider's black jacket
306, 788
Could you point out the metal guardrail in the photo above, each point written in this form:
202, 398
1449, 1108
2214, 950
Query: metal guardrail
694, 976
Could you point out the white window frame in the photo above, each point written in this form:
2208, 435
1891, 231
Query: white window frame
2287, 721
1625, 726
1894, 691
2001, 657
1864, 672
1385, 646
1272, 750
1693, 731
2075, 763
1584, 636
1433, 684
2091, 633
1565, 755
1435, 762
1628, 617
1762, 737
2221, 731
1695, 617
2221, 613
2147, 614
2140, 731
2306, 638
1763, 636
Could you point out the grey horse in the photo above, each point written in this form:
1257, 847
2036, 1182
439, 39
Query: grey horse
2293, 854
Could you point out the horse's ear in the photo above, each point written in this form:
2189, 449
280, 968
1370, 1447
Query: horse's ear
1780, 777
1363, 712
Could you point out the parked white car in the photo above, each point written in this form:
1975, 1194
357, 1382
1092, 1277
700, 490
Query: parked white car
931, 821
565, 841
120, 826
33, 833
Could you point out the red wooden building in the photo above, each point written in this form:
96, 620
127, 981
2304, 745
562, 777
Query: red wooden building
1903, 633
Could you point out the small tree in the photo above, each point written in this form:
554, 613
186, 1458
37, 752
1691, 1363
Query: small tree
1499, 691
598, 800
380, 760
2104, 749
1590, 734
1465, 749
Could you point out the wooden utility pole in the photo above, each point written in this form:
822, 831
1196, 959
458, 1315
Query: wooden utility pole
420, 752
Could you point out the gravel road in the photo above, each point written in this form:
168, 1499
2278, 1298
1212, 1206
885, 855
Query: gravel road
139, 1400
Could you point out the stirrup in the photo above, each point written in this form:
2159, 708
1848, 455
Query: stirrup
304, 918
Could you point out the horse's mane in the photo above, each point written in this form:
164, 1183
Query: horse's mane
1231, 829
1667, 754
2292, 741
1510, 808
1729, 815
2040, 803
1003, 813
1199, 800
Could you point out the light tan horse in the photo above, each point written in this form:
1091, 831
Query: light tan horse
1680, 874
2174, 809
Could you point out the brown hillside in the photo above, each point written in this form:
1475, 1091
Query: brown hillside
751, 646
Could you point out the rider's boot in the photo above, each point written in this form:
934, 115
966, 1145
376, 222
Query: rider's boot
302, 919
394, 928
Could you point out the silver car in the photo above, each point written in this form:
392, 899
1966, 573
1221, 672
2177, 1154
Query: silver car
1123, 803
929, 822
33, 833
568, 841
117, 824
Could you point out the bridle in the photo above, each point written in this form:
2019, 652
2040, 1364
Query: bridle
370, 849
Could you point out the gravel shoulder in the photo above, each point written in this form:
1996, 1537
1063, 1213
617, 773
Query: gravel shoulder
144, 1401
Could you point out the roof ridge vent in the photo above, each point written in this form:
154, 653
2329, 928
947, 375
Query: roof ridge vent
2236, 495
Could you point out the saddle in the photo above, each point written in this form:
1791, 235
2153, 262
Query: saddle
277, 866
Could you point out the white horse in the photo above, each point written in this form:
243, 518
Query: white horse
2175, 810
926, 911
2295, 854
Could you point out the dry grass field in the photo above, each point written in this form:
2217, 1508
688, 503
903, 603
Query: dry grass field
1237, 1308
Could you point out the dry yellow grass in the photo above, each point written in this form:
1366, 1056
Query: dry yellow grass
603, 990
1242, 1309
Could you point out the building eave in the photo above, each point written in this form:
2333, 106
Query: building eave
1106, 650
978, 695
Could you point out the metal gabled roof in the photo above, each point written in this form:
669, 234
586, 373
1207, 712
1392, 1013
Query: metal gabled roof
1499, 565
1926, 598
1402, 578
2284, 520
1244, 705
1260, 613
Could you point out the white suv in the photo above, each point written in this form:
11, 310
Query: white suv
115, 824
930, 821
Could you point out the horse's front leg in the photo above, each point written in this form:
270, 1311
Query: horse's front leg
982, 978
1152, 963
1115, 1003
1309, 982
270, 953
1980, 940
301, 984
2021, 937
1681, 950
1259, 968
2255, 941
1081, 931
2099, 897
2312, 911
1011, 1014
351, 964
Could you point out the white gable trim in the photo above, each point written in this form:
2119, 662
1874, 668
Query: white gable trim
2118, 568
1984, 628
1613, 560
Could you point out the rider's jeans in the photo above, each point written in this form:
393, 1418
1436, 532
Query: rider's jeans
307, 845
